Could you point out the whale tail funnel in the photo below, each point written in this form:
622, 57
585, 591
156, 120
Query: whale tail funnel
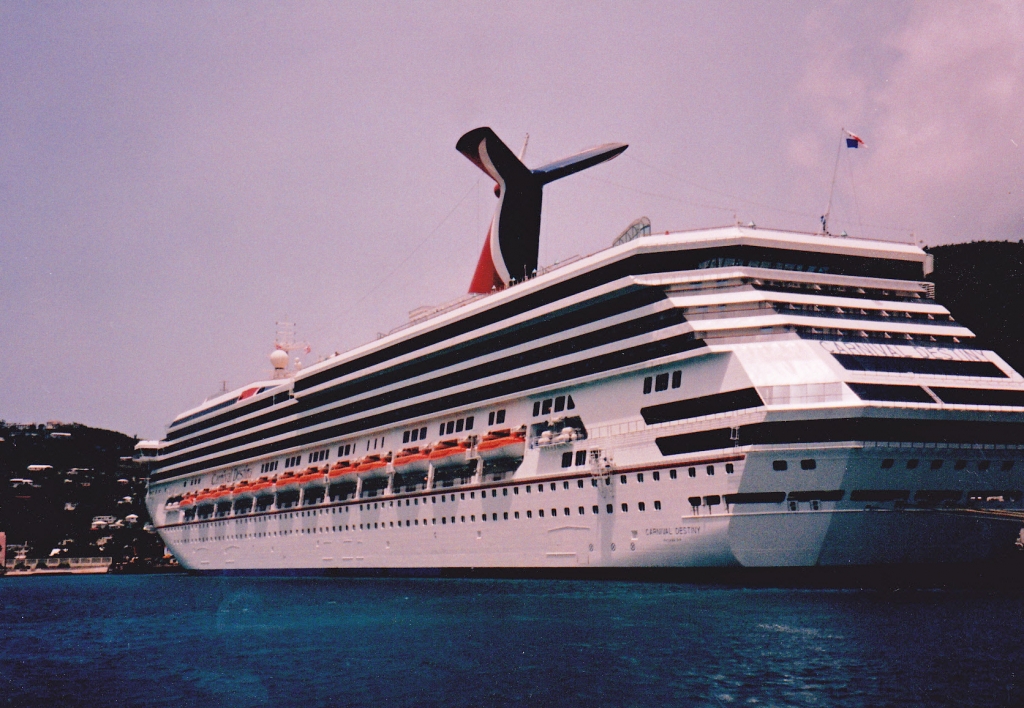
510, 249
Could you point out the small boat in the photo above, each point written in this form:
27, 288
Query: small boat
188, 501
411, 459
312, 477
449, 453
287, 482
339, 470
502, 444
243, 489
372, 466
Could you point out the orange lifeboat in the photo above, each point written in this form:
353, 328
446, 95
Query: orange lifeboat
372, 466
411, 459
339, 470
449, 453
287, 482
243, 489
502, 444
187, 501
259, 485
312, 477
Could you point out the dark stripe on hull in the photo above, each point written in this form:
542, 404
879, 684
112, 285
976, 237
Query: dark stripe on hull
705, 405
846, 429
1006, 573
557, 375
639, 264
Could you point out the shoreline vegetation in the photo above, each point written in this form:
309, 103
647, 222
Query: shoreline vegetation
68, 490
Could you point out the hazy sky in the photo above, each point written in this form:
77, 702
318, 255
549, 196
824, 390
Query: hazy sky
176, 177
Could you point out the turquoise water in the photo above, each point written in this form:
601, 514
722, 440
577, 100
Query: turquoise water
209, 641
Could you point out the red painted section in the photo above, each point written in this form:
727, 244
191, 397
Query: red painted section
247, 392
486, 277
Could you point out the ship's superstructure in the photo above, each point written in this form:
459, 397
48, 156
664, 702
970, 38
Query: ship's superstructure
732, 396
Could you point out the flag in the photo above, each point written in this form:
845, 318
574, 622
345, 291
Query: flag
853, 141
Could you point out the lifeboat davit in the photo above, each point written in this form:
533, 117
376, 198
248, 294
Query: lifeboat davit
449, 453
502, 444
372, 466
411, 459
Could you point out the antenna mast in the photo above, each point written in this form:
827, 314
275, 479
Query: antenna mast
285, 342
832, 188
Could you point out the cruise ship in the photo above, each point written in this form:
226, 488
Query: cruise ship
733, 397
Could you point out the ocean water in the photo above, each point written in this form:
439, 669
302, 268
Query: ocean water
212, 641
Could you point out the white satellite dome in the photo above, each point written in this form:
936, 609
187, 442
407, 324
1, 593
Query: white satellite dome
279, 359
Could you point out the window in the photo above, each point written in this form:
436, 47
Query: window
559, 404
625, 507
595, 509
459, 425
516, 514
657, 505
780, 465
622, 479
500, 418
808, 464
729, 469
608, 508
545, 406
911, 464
656, 475
593, 483
536, 408
641, 506
1006, 466
694, 502
469, 422
529, 514
887, 463
506, 516
450, 427
566, 459
712, 500
565, 512
490, 418
423, 433
569, 403
936, 464
581, 457
983, 465
405, 436
671, 474
565, 485
692, 471
579, 483
540, 513
648, 383
640, 477
677, 379
552, 486
711, 470
661, 382
504, 492
582, 511
960, 465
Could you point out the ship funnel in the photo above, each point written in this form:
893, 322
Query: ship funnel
513, 240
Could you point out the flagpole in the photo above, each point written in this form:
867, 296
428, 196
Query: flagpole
831, 189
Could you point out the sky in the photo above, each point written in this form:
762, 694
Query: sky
175, 178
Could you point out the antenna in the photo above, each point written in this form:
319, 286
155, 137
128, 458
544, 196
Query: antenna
285, 343
832, 189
